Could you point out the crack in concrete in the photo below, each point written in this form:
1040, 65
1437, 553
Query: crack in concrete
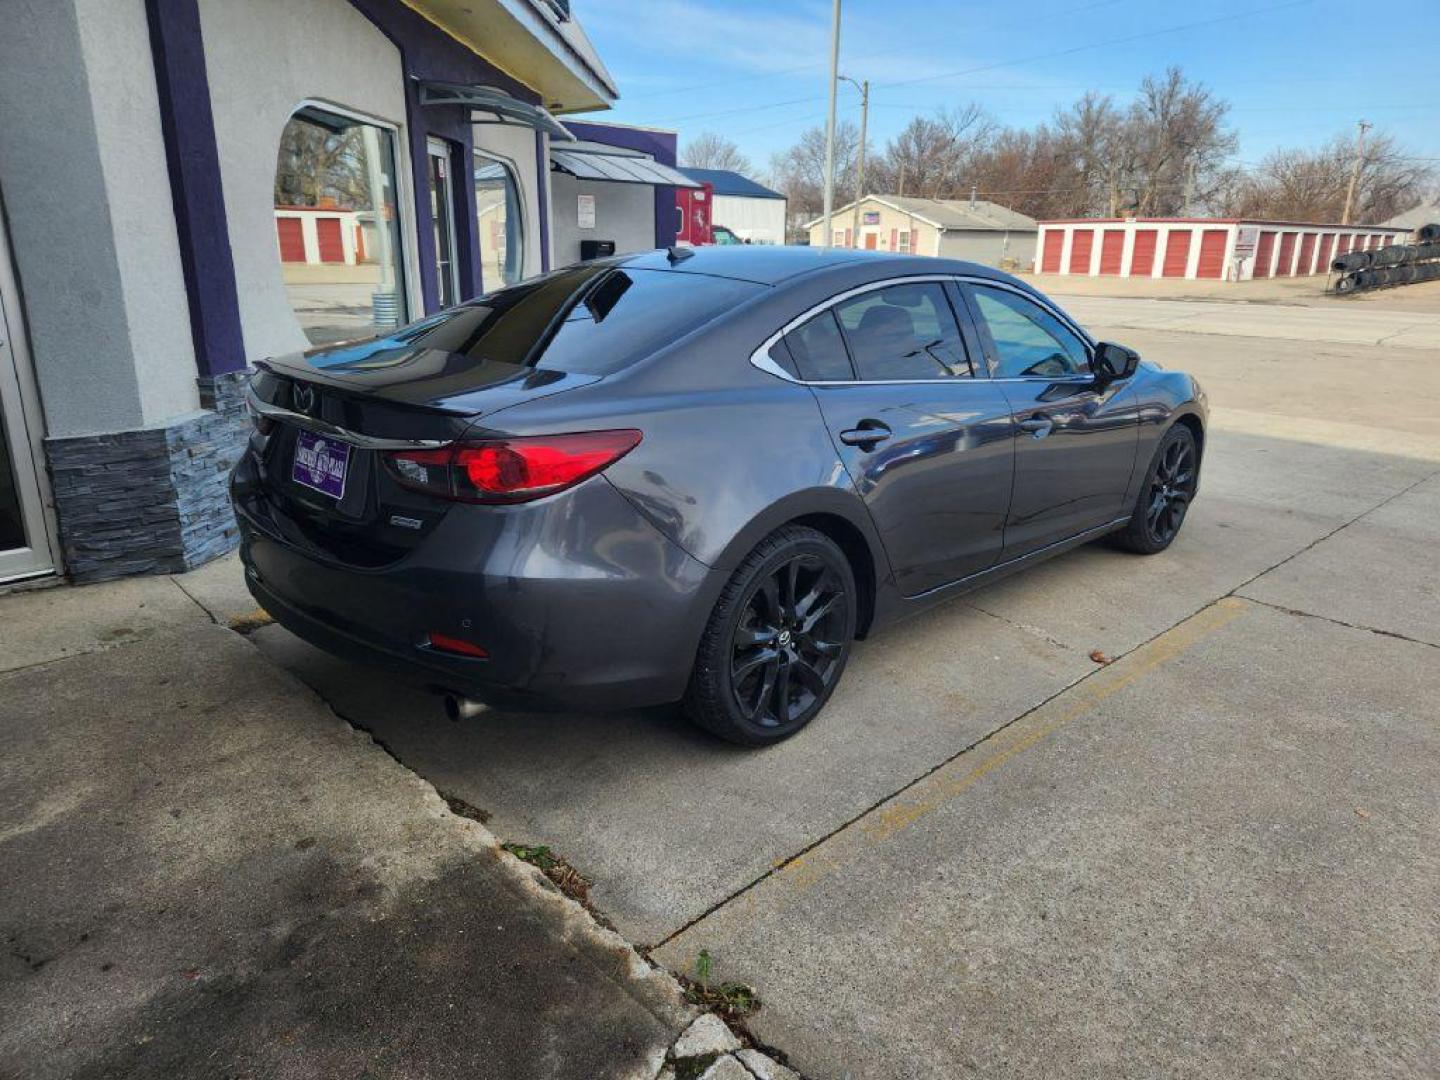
1340, 622
1035, 631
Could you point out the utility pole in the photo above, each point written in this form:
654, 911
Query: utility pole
830, 129
864, 88
1190, 189
1364, 126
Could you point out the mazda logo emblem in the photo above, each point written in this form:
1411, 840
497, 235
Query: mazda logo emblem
304, 398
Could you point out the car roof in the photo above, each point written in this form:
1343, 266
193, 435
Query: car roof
770, 264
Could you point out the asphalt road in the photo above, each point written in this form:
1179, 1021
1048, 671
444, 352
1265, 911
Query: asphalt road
994, 856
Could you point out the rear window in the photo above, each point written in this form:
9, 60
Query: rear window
586, 320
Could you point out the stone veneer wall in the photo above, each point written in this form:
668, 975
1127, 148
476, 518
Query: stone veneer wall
152, 501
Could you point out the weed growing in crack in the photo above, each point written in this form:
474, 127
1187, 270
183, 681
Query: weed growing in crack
693, 1068
734, 1001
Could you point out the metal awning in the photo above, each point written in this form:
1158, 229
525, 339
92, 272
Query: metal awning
597, 161
506, 109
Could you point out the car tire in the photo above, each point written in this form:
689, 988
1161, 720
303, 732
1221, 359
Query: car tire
778, 640
1165, 496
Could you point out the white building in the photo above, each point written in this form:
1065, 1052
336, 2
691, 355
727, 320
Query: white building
970, 229
1226, 249
751, 211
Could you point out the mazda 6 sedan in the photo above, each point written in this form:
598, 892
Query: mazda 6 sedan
696, 475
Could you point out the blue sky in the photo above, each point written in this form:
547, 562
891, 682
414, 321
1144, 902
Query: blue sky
1294, 72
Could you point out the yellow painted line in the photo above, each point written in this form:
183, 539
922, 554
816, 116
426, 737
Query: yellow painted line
964, 772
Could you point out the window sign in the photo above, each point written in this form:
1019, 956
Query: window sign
871, 217
585, 211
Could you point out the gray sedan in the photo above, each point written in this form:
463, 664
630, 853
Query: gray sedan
695, 475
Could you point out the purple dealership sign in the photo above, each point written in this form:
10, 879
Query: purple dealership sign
321, 463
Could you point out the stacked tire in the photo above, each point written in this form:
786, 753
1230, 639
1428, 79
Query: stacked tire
1394, 264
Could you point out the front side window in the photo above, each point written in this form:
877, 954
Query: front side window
500, 218
903, 332
1027, 339
338, 228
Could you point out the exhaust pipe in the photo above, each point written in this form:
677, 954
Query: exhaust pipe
462, 708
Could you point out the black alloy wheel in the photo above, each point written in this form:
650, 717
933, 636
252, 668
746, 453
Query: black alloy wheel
785, 652
1165, 497
778, 640
1171, 488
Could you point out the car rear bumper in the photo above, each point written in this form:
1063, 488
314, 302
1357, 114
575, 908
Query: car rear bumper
579, 601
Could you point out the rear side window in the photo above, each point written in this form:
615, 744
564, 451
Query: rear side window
903, 332
818, 350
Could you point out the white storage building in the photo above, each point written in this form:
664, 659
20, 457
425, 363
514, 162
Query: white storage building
1226, 249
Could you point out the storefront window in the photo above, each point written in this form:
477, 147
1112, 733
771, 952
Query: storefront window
501, 223
338, 227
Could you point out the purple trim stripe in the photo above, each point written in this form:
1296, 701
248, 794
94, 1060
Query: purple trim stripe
542, 185
188, 127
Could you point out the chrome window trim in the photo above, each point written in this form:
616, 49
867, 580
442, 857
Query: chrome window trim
760, 358
333, 431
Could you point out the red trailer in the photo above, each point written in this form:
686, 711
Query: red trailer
693, 205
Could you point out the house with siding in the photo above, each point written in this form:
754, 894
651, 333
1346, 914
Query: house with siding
970, 229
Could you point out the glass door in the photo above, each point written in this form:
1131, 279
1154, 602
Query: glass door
442, 213
25, 538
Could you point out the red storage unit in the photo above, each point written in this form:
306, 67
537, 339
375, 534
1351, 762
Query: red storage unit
327, 239
1054, 244
1307, 255
1082, 242
1322, 252
1287, 254
1342, 245
1375, 241
292, 239
1112, 250
1212, 253
1264, 249
1177, 253
1142, 257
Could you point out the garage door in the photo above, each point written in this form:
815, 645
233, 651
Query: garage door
1177, 253
1287, 254
1142, 258
1212, 253
292, 239
327, 238
1322, 252
1264, 250
1307, 254
1112, 249
1342, 245
1376, 241
1082, 242
1054, 243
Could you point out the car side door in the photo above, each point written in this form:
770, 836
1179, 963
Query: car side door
923, 432
1075, 437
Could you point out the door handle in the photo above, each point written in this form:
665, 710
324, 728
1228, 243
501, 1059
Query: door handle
1038, 426
866, 435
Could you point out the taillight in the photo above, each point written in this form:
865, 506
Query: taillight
510, 470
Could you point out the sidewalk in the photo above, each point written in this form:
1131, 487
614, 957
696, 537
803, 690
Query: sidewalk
207, 873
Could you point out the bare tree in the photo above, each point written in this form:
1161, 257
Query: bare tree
799, 172
318, 165
932, 155
712, 151
1309, 185
1175, 131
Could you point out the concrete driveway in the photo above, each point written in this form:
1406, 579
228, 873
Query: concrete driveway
993, 855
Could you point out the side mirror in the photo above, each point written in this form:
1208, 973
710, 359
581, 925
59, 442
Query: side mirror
1114, 362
